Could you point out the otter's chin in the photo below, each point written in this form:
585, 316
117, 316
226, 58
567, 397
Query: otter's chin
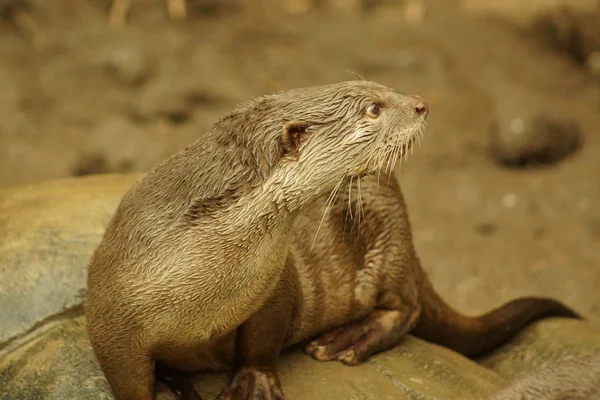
360, 173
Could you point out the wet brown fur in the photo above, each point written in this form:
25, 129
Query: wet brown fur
575, 378
274, 228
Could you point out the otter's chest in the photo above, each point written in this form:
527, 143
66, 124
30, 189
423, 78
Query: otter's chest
327, 266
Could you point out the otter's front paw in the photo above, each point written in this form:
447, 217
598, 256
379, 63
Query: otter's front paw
253, 384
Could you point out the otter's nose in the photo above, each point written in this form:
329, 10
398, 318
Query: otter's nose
420, 106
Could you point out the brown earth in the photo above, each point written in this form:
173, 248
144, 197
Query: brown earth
79, 97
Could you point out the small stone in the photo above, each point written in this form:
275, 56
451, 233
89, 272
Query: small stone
214, 7
415, 12
523, 141
509, 200
594, 228
7, 6
164, 99
347, 7
593, 64
298, 6
584, 203
486, 229
538, 232
91, 164
10, 94
127, 62
119, 145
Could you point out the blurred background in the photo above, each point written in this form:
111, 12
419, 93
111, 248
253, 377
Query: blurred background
504, 193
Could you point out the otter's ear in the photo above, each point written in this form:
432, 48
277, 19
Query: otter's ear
294, 133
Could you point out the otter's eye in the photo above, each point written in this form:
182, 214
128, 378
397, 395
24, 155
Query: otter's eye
374, 110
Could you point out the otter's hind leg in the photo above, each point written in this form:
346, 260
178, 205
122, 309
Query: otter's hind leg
130, 375
354, 342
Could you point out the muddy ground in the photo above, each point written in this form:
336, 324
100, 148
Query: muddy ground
78, 97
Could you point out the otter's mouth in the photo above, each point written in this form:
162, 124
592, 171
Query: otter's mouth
393, 151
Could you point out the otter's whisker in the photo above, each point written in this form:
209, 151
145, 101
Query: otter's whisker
392, 157
398, 155
390, 168
386, 159
350, 198
355, 74
389, 153
360, 205
419, 133
330, 200
405, 154
379, 162
349, 206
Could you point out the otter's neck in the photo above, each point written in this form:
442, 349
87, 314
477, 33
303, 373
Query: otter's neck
282, 197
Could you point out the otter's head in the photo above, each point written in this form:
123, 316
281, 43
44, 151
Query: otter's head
354, 128
315, 137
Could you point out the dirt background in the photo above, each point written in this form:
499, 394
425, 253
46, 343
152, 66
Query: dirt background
504, 80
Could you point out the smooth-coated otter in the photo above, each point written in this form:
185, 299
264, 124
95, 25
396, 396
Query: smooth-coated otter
274, 228
574, 378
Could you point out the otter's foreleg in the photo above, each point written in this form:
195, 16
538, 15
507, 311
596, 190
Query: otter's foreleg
385, 287
355, 342
260, 341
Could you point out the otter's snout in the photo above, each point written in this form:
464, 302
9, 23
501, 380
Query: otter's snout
419, 105
415, 102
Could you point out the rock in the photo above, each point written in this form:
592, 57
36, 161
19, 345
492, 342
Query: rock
59, 364
571, 378
575, 35
298, 6
547, 341
48, 232
214, 7
541, 346
524, 13
10, 95
7, 6
529, 142
346, 7
139, 147
413, 369
593, 64
126, 60
164, 98
521, 138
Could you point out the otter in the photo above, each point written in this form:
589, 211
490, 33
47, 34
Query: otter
574, 378
276, 228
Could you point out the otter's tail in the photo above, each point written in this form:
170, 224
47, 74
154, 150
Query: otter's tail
176, 382
472, 337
